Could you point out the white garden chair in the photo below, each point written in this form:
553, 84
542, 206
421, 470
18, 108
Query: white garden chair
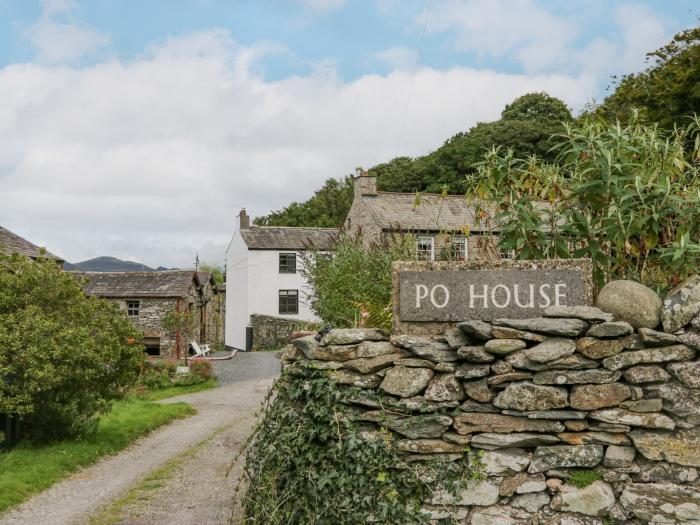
199, 351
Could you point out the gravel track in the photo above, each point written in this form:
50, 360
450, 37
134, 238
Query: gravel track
199, 492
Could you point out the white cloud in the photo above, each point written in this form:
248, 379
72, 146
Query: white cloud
520, 29
541, 40
60, 37
398, 58
151, 159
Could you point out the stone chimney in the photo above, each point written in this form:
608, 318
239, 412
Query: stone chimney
244, 219
365, 184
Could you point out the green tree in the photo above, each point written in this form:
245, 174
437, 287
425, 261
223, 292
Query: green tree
525, 126
64, 356
667, 91
326, 209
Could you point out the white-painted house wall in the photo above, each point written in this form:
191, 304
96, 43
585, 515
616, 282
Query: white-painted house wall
253, 282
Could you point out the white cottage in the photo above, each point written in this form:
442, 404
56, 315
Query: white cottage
263, 275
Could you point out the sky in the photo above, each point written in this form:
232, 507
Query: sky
139, 129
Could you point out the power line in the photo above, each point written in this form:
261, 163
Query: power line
413, 79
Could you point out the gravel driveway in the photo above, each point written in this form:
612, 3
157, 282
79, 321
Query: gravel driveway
200, 492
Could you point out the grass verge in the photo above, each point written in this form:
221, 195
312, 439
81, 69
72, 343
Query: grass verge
163, 393
27, 470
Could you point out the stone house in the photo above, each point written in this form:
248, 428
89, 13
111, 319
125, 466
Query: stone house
11, 243
148, 297
264, 278
442, 227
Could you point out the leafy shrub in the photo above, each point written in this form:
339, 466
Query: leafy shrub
310, 464
63, 356
623, 196
154, 378
353, 287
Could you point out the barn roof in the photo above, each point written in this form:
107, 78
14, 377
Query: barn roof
12, 243
170, 283
288, 238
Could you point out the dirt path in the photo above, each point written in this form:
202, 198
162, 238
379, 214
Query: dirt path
196, 490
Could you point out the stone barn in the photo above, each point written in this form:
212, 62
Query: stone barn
148, 298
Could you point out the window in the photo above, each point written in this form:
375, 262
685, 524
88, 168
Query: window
288, 263
132, 308
289, 301
459, 250
426, 249
507, 254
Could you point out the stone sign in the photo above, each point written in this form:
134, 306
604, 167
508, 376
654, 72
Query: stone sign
427, 295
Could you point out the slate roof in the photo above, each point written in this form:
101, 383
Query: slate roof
288, 238
12, 243
398, 211
171, 283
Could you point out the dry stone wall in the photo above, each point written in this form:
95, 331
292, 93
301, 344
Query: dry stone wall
539, 401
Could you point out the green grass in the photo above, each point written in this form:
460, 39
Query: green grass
583, 478
163, 393
27, 470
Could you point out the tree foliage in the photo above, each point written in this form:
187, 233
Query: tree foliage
326, 209
668, 91
625, 196
525, 126
64, 357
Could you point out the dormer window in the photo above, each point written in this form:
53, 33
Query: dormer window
288, 263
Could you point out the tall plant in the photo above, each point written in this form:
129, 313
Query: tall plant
352, 287
625, 196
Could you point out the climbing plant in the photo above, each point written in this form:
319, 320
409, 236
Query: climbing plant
311, 463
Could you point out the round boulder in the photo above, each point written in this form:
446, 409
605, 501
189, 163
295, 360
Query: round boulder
632, 302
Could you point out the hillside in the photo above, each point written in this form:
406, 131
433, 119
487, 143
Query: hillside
110, 264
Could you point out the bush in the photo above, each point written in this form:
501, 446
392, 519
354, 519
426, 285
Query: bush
624, 196
200, 368
63, 356
353, 287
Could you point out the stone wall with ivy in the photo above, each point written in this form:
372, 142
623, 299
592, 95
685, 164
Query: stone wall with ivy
584, 416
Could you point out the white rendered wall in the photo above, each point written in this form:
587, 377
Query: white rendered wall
253, 282
237, 315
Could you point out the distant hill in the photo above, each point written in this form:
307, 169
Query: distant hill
110, 264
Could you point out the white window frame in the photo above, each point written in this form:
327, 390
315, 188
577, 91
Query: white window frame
465, 246
420, 239
133, 307
508, 254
